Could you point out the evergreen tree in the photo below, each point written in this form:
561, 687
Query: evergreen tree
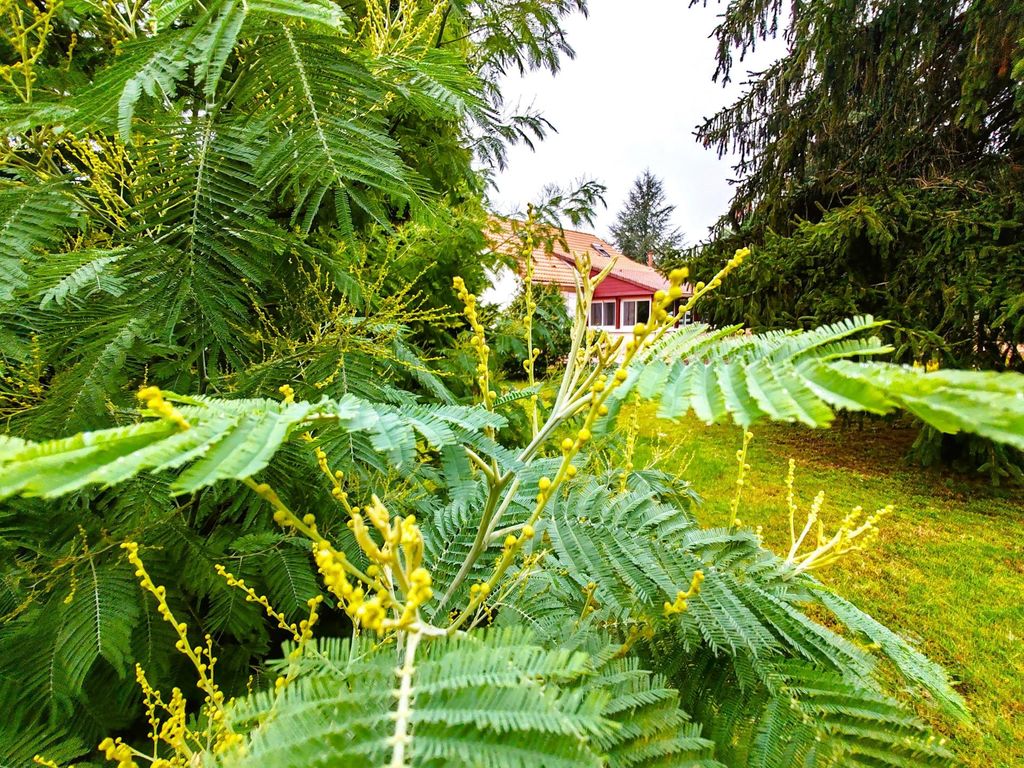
879, 171
644, 224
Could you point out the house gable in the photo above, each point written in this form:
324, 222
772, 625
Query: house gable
628, 281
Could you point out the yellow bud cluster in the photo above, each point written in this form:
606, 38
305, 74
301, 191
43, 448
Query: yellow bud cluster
119, 752
202, 658
679, 605
478, 341
400, 555
287, 393
153, 397
334, 568
480, 588
331, 565
738, 257
368, 613
251, 596
174, 730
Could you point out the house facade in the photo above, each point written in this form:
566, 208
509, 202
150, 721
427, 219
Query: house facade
622, 300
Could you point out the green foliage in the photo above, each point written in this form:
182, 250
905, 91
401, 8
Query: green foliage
550, 329
235, 201
495, 698
771, 669
804, 376
879, 173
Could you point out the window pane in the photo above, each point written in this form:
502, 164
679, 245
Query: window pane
595, 313
629, 313
609, 313
643, 311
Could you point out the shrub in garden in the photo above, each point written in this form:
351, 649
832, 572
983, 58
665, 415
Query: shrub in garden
499, 604
219, 198
550, 330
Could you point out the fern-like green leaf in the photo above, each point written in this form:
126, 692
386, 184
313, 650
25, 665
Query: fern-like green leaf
225, 440
31, 217
805, 376
914, 665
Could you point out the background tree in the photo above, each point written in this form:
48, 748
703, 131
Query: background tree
644, 225
880, 170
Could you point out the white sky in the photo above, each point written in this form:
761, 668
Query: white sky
639, 85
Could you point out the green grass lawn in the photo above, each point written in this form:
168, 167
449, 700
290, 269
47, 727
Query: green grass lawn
947, 570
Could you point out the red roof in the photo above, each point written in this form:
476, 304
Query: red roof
556, 266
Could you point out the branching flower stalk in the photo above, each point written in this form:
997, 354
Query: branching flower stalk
302, 632
218, 737
856, 532
27, 28
585, 389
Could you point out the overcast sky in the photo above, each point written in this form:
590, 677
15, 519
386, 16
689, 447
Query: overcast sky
639, 85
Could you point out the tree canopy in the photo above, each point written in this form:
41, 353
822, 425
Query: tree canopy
644, 225
880, 169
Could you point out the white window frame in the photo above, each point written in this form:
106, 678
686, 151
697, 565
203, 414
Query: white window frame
593, 304
636, 305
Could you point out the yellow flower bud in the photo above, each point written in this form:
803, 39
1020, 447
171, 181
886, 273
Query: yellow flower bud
149, 393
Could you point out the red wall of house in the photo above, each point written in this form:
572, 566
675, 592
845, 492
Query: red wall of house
613, 287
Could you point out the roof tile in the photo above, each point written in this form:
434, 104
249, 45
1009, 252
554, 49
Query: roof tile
557, 267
